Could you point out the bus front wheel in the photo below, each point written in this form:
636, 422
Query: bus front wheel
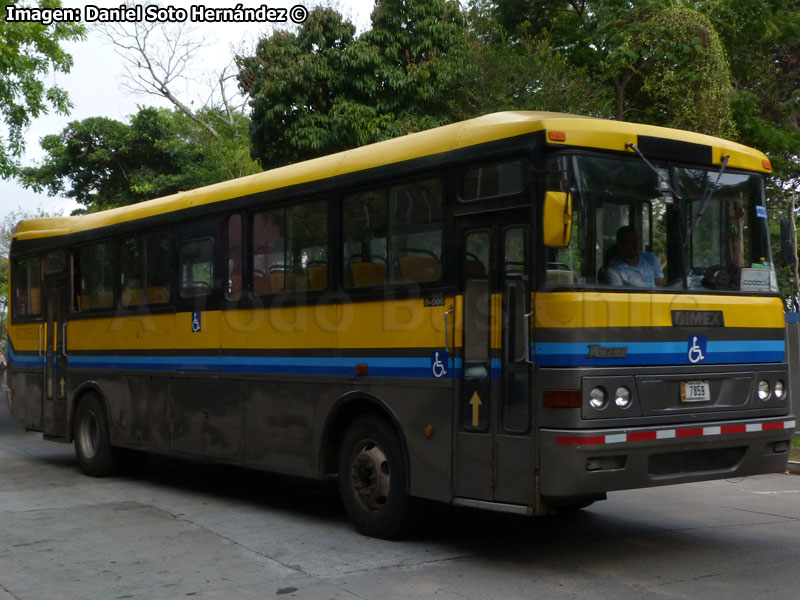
373, 478
92, 438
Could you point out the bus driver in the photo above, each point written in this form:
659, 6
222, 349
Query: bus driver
630, 266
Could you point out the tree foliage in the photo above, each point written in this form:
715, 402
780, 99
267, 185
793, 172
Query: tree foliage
763, 41
528, 74
103, 163
322, 90
28, 52
662, 60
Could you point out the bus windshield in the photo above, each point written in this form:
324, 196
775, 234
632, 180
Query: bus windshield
640, 225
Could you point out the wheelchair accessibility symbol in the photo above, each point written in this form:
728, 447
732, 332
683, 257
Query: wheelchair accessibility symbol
439, 364
697, 348
196, 322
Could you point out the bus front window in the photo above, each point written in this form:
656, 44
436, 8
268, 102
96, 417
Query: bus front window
713, 237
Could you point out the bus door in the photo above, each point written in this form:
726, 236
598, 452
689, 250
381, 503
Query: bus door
54, 401
494, 447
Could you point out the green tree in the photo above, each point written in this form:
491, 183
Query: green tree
762, 40
528, 74
415, 46
297, 90
159, 57
28, 52
662, 59
103, 163
322, 90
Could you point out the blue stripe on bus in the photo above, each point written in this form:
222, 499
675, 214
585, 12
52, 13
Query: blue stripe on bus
380, 366
554, 354
558, 354
24, 360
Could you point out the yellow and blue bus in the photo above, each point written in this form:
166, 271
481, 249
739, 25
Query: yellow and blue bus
445, 316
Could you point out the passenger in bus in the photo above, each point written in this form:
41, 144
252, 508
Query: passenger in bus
632, 267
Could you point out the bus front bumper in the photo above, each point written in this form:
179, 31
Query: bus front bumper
577, 462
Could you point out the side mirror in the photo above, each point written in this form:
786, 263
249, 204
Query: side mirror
557, 225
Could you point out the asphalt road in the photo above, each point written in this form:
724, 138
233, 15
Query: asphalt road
186, 530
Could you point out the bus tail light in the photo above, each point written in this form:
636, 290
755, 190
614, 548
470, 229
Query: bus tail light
562, 398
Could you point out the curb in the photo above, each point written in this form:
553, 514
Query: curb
793, 468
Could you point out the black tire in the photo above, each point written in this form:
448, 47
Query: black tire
92, 438
373, 479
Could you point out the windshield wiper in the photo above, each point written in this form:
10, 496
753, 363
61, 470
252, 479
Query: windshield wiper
670, 198
706, 197
667, 193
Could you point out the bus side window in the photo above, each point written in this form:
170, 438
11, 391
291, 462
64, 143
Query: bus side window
364, 224
28, 286
306, 257
492, 180
394, 238
415, 219
131, 260
268, 251
158, 267
93, 277
197, 267
233, 288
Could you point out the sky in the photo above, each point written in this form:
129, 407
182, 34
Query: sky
95, 86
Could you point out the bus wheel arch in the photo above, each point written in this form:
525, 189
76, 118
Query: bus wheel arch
365, 447
348, 408
91, 432
74, 399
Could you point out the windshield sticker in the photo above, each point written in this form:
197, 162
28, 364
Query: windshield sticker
755, 280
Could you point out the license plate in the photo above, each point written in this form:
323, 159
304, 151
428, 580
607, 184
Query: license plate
695, 391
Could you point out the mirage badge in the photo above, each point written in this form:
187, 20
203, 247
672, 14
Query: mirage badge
596, 351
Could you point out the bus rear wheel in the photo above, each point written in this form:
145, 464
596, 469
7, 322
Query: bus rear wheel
373, 478
92, 438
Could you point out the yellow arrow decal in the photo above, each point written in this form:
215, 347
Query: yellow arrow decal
476, 404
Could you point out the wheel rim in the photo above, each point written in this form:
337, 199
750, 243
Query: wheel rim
88, 434
370, 476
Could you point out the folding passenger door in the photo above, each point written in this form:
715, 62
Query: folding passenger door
494, 447
54, 401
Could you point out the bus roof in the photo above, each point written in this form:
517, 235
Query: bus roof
568, 130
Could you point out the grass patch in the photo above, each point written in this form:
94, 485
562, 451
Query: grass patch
794, 454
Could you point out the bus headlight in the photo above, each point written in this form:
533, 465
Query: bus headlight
597, 398
622, 397
779, 390
763, 390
